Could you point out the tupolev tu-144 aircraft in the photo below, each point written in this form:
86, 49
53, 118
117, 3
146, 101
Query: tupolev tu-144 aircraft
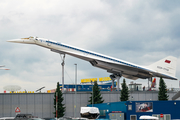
165, 68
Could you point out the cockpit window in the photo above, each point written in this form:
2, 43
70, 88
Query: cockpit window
24, 38
31, 37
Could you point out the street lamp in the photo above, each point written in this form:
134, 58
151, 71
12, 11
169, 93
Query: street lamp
92, 93
75, 88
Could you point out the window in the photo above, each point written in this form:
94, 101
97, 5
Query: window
79, 87
133, 117
102, 112
129, 107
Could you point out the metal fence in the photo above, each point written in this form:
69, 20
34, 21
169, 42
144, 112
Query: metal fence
41, 104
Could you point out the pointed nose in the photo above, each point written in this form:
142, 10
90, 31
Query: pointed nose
22, 40
16, 41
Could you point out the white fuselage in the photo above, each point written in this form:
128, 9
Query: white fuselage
112, 65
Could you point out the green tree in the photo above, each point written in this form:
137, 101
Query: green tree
60, 106
124, 91
96, 95
162, 95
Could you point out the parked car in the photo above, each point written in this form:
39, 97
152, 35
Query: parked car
89, 112
36, 119
49, 118
7, 118
23, 117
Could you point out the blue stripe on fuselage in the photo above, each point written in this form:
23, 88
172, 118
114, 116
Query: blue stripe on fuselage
59, 44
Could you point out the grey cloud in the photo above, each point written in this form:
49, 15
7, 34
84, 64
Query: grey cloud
166, 6
140, 32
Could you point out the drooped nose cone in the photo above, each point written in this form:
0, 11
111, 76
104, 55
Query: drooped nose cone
16, 41
22, 40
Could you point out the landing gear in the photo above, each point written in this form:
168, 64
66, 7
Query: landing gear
113, 77
149, 79
63, 62
62, 55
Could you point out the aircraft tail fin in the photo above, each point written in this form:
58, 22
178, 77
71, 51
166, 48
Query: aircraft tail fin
153, 84
165, 66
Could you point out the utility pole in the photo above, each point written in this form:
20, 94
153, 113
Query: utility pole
92, 93
56, 104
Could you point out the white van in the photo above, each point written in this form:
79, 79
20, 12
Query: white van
146, 117
7, 118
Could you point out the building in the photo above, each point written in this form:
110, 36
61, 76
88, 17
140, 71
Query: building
88, 87
132, 110
42, 104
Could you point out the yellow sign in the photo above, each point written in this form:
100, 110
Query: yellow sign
104, 79
88, 80
21, 92
49, 91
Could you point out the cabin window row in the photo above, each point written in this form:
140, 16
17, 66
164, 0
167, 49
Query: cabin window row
91, 53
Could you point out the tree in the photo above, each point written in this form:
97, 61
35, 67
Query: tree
96, 95
162, 95
60, 106
124, 91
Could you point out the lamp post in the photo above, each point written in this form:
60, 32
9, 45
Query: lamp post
92, 93
76, 89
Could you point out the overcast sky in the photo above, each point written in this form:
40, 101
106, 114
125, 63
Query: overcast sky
138, 31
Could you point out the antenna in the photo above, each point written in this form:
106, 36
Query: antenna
40, 89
